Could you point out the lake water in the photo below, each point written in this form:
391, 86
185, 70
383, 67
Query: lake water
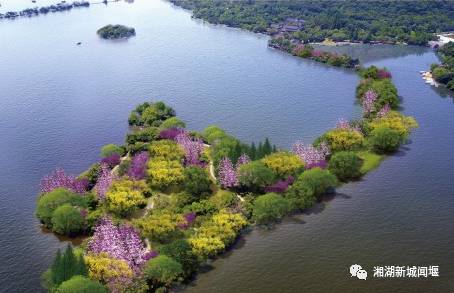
61, 102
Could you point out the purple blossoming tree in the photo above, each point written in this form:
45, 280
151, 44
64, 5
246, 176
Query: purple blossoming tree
227, 174
112, 160
193, 148
369, 99
120, 242
382, 73
104, 181
345, 124
138, 167
384, 110
189, 219
171, 133
311, 156
243, 159
59, 179
280, 186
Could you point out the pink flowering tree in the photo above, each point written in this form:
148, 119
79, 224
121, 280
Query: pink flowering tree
193, 148
243, 159
316, 53
104, 181
120, 242
383, 73
384, 110
345, 124
227, 173
58, 179
138, 167
310, 155
342, 124
369, 99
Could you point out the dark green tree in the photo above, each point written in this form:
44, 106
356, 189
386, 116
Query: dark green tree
66, 265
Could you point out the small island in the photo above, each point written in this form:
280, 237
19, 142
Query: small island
117, 31
158, 208
444, 73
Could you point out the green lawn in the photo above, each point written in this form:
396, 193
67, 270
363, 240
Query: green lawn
371, 161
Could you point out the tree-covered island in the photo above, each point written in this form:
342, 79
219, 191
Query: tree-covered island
116, 31
156, 208
444, 72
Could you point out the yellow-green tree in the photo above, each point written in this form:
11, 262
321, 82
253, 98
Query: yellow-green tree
165, 173
166, 149
396, 121
217, 233
159, 227
283, 164
108, 270
125, 196
340, 139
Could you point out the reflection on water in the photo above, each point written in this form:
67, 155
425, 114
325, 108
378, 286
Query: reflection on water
373, 53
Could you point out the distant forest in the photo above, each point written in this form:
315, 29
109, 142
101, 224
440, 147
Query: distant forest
412, 22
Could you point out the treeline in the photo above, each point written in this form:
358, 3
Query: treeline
413, 22
444, 72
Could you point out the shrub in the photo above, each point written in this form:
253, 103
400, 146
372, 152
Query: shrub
223, 199
181, 251
308, 186
385, 140
269, 208
163, 270
80, 284
343, 139
345, 165
280, 186
125, 196
49, 202
283, 164
255, 176
163, 174
203, 207
197, 182
110, 149
320, 180
67, 220
172, 122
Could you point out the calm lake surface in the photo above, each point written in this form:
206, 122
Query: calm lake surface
61, 102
